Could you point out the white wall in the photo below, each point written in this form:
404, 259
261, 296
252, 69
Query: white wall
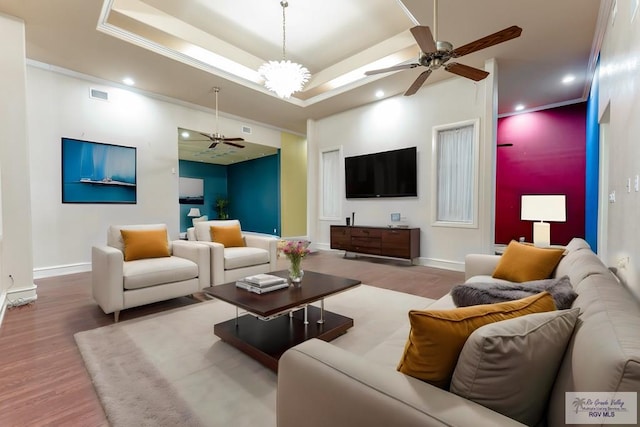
58, 105
16, 263
620, 97
399, 122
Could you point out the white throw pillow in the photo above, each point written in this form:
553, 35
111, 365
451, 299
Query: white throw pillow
510, 366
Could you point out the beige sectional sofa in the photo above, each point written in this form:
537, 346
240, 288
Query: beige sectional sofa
320, 384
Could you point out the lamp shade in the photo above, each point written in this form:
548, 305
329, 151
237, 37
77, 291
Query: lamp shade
543, 208
194, 212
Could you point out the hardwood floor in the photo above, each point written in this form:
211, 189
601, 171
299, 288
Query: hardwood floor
43, 381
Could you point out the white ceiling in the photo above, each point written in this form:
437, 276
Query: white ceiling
151, 40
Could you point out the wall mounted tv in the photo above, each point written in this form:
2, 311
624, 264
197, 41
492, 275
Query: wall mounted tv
385, 174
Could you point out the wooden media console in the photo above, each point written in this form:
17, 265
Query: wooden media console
385, 241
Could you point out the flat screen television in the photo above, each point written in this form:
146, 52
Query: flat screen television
385, 174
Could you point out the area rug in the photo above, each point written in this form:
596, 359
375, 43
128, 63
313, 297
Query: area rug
168, 369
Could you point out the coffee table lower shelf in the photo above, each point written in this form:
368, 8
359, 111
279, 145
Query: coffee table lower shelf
266, 340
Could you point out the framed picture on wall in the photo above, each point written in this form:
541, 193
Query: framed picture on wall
191, 191
93, 172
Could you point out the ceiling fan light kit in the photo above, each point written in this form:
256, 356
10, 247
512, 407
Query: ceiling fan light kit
284, 77
435, 54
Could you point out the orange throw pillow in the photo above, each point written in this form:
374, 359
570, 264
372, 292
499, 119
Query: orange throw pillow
437, 336
140, 244
524, 263
230, 236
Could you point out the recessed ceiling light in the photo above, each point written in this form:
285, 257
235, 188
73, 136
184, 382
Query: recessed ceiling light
128, 81
568, 79
185, 134
379, 94
519, 107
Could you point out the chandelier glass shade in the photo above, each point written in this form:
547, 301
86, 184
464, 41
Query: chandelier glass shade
284, 77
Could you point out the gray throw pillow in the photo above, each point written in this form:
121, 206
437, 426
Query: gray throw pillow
467, 294
510, 366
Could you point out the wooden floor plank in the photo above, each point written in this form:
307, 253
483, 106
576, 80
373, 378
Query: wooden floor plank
43, 381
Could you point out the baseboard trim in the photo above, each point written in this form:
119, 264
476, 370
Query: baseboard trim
441, 263
322, 247
21, 296
425, 262
61, 270
3, 306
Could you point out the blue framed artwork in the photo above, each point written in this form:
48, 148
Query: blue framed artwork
93, 172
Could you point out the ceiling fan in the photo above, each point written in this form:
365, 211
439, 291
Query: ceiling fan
435, 54
216, 137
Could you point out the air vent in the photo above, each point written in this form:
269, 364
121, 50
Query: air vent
246, 129
98, 94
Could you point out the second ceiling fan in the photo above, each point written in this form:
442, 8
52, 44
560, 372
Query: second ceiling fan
435, 54
218, 138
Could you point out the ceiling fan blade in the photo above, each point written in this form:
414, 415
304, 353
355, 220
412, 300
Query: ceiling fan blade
424, 38
488, 41
207, 135
213, 145
233, 139
226, 141
389, 69
466, 71
417, 84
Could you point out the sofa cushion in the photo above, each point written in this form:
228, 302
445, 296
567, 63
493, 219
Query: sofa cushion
437, 336
490, 292
485, 278
140, 244
203, 228
510, 366
114, 236
244, 257
157, 271
604, 353
229, 236
523, 263
579, 265
576, 244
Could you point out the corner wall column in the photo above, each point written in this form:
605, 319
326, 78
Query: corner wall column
16, 259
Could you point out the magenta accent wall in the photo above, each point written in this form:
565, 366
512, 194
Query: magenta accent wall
547, 157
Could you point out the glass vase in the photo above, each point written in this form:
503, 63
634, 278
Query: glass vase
295, 272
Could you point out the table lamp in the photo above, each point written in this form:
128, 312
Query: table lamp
194, 213
543, 208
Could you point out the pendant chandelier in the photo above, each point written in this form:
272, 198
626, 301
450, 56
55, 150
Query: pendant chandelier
284, 77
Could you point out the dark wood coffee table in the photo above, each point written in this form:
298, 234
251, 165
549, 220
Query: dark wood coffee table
281, 319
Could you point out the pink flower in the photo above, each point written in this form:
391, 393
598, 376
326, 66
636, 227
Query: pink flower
294, 249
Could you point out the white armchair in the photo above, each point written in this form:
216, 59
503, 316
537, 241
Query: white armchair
118, 284
259, 255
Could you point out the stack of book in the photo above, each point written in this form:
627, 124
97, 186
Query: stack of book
262, 283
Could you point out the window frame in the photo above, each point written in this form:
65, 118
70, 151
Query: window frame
475, 173
339, 181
